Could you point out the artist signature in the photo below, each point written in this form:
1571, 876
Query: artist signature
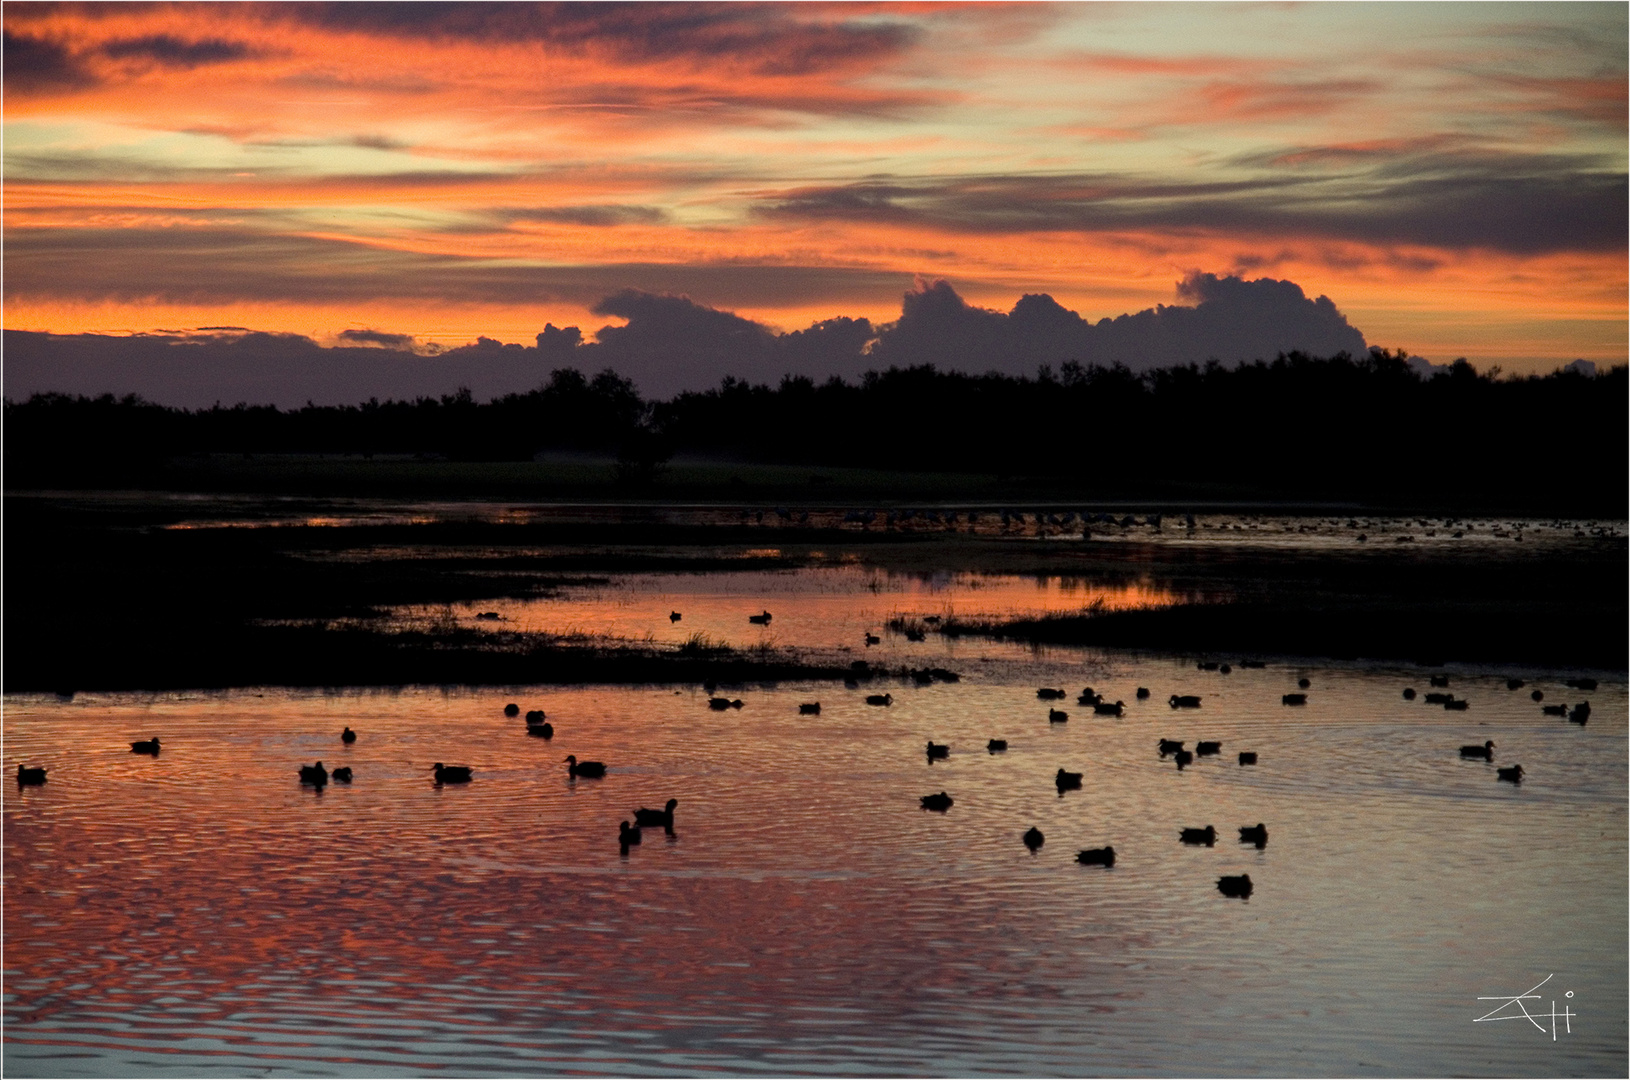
1518, 1002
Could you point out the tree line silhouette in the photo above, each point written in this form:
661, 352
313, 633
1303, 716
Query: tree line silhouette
1297, 427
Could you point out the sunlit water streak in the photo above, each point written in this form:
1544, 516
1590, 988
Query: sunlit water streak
202, 913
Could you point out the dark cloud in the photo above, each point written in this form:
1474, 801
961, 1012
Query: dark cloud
595, 216
38, 66
376, 337
771, 39
173, 52
672, 343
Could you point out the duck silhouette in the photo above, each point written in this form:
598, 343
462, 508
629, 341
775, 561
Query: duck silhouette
1143, 693
1581, 712
674, 616
761, 619
810, 708
348, 736
545, 730
880, 699
627, 835
1293, 699
1206, 749
342, 774
941, 802
1033, 839
1247, 757
1067, 781
1057, 716
1235, 886
1184, 701
1486, 751
146, 746
314, 774
26, 775
1109, 708
937, 750
451, 774
512, 709
535, 716
1206, 836
1254, 834
1169, 746
1409, 693
1304, 684
872, 639
996, 746
1104, 856
663, 817
1513, 774
1183, 758
1554, 710
590, 769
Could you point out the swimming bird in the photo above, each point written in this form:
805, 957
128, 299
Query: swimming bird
1103, 856
545, 730
1033, 839
1247, 757
535, 716
1254, 834
1439, 680
1513, 684
1049, 694
1438, 699
718, 704
1513, 774
762, 620
1581, 712
1057, 716
1486, 751
663, 817
146, 746
1554, 710
1143, 692
451, 774
937, 750
1184, 701
1067, 781
1538, 695
342, 774
591, 769
1206, 836
314, 774
674, 616
626, 835
1183, 757
1088, 697
810, 708
872, 639
941, 802
1303, 684
512, 709
1409, 693
1293, 699
1206, 749
1107, 708
1455, 704
880, 699
1169, 746
26, 775
1235, 886
348, 736
996, 746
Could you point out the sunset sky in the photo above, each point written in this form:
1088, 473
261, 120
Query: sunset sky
1452, 176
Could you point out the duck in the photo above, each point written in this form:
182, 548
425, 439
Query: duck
762, 619
545, 730
451, 774
1537, 695
1554, 710
26, 775
1048, 693
880, 699
1057, 716
1581, 712
663, 817
1183, 757
1293, 699
1514, 684
718, 704
1438, 680
1169, 746
1067, 781
1247, 757
1235, 886
1033, 839
1206, 836
872, 639
1513, 774
1304, 684
1486, 751
1108, 708
535, 716
348, 736
996, 746
1438, 699
1409, 693
1088, 697
937, 750
674, 616
146, 746
627, 835
1103, 856
314, 774
1206, 749
1143, 693
512, 709
1455, 704
941, 802
1184, 701
1254, 834
591, 769
342, 774
810, 708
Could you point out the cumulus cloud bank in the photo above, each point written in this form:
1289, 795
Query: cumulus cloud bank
668, 344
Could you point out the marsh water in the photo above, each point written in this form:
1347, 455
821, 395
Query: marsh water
204, 913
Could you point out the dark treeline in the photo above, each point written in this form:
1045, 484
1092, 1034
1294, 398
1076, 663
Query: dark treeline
1300, 428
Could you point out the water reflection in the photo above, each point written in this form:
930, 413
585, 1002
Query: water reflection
203, 912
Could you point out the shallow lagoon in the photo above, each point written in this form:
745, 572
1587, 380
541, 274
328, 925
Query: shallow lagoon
202, 913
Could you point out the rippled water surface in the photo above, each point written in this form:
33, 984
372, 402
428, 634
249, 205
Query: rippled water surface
202, 913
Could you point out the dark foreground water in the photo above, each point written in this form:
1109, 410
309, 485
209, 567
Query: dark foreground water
202, 913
